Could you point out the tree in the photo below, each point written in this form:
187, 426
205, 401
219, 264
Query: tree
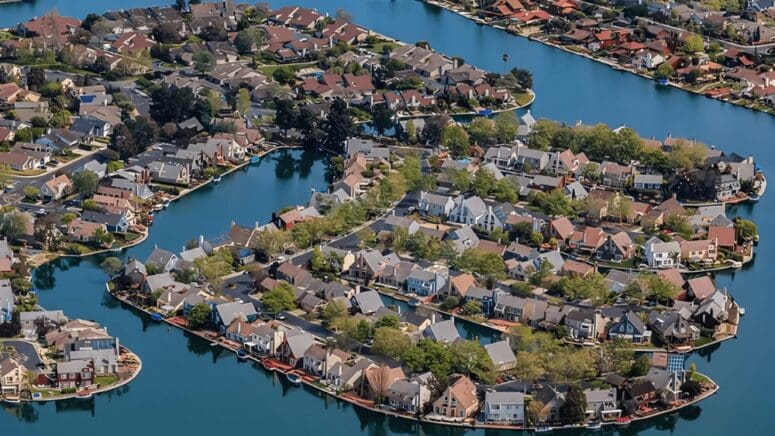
620, 207
36, 77
280, 298
523, 77
450, 303
284, 75
31, 192
482, 130
85, 182
664, 71
382, 118
460, 179
249, 40
506, 126
686, 157
693, 43
199, 315
574, 409
172, 104
167, 33
455, 138
179, 5
332, 312
433, 128
641, 366
13, 224
480, 262
473, 307
104, 237
204, 61
339, 125
592, 287
286, 114
390, 342
243, 101
111, 265
411, 132
746, 230
692, 388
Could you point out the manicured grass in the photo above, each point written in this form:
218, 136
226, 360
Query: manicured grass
699, 377
522, 98
13, 172
380, 46
269, 69
105, 380
703, 340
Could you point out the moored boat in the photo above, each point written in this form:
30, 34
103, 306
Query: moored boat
83, 395
662, 82
623, 421
594, 425
217, 179
741, 310
254, 160
242, 354
156, 317
293, 378
753, 198
543, 429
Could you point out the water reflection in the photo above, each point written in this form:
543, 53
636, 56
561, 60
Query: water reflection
76, 405
23, 412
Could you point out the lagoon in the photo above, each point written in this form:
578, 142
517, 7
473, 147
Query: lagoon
190, 388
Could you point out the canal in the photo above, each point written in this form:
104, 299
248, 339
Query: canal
188, 387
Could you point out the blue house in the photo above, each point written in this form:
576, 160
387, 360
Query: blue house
631, 328
485, 297
425, 282
115, 222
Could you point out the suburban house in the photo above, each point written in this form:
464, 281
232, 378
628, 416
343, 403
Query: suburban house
410, 395
56, 188
11, 374
504, 408
659, 254
602, 404
458, 401
631, 328
501, 355
376, 381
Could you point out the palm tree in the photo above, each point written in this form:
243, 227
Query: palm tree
330, 345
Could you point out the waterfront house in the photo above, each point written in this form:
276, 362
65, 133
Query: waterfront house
501, 355
410, 395
671, 328
375, 382
84, 231
552, 400
30, 321
74, 374
504, 408
659, 254
602, 404
345, 376
458, 401
266, 339
631, 328
713, 310
397, 275
699, 251
443, 331
428, 281
225, 313
11, 377
485, 298
318, 358
294, 345
114, 222
163, 260
666, 383
368, 302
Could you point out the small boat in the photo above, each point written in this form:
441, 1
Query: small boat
594, 425
662, 82
149, 219
156, 316
543, 429
12, 400
83, 395
217, 179
741, 310
753, 198
485, 112
254, 160
623, 421
293, 378
736, 264
242, 354
157, 207
165, 204
413, 302
116, 250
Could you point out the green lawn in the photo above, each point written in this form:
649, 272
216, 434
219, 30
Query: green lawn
269, 69
522, 98
105, 380
380, 46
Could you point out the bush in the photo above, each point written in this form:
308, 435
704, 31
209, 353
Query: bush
450, 303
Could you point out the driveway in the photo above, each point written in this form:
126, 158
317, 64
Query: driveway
25, 351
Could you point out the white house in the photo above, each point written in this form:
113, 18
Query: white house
661, 254
504, 407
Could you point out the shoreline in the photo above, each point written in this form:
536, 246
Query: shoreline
309, 380
604, 61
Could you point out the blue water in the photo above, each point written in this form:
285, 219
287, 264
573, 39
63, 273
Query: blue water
183, 390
